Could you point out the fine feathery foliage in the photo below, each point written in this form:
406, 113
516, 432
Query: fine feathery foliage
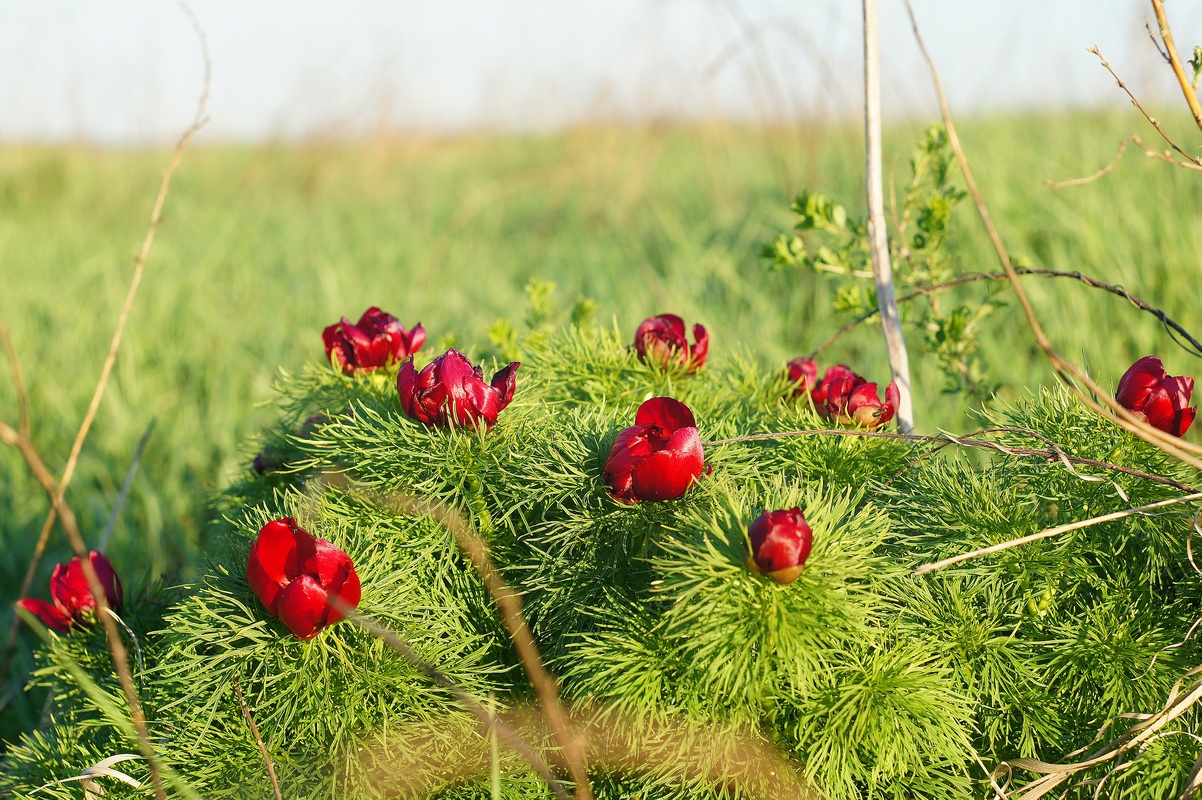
691, 676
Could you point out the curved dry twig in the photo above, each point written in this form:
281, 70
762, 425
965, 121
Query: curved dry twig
1092, 396
1048, 533
1053, 453
1172, 326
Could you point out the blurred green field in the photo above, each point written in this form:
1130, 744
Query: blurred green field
263, 246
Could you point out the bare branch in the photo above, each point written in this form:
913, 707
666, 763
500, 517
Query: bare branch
1155, 123
1092, 395
1052, 453
14, 364
1056, 531
1166, 35
509, 603
490, 720
1175, 330
254, 730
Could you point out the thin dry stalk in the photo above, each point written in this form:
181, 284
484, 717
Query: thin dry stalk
1048, 533
1155, 123
1092, 396
1174, 328
58, 506
491, 721
1052, 453
1166, 35
1132, 139
14, 365
878, 235
254, 730
509, 603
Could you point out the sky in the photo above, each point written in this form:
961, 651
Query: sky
125, 72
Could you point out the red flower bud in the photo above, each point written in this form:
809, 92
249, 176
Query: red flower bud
450, 391
658, 458
296, 575
661, 340
803, 373
780, 544
74, 602
1158, 398
377, 340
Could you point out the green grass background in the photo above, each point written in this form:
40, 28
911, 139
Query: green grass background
261, 247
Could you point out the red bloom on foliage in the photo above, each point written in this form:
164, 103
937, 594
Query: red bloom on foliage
377, 340
780, 544
849, 401
1160, 399
74, 602
450, 391
803, 373
658, 458
295, 575
661, 340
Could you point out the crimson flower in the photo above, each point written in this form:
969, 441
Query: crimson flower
1158, 398
296, 575
377, 340
74, 603
803, 373
850, 402
450, 391
780, 544
661, 340
658, 458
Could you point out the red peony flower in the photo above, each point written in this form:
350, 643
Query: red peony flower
661, 340
74, 603
377, 340
658, 458
803, 373
450, 391
780, 544
839, 373
295, 575
1158, 398
849, 401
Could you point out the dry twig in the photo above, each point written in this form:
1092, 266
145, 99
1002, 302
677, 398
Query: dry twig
1170, 325
254, 730
509, 603
491, 721
1048, 533
1092, 396
58, 505
1166, 35
1151, 119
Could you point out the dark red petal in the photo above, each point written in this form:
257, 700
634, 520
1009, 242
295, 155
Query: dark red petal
1136, 383
669, 473
505, 381
50, 616
666, 412
69, 589
276, 558
113, 593
804, 373
347, 589
1185, 420
327, 563
302, 607
700, 350
414, 341
406, 385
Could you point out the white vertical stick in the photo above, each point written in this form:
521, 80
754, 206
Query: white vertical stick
878, 235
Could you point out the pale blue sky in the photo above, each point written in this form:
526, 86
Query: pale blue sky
128, 71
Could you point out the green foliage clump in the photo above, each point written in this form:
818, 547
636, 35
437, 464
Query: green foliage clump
691, 676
